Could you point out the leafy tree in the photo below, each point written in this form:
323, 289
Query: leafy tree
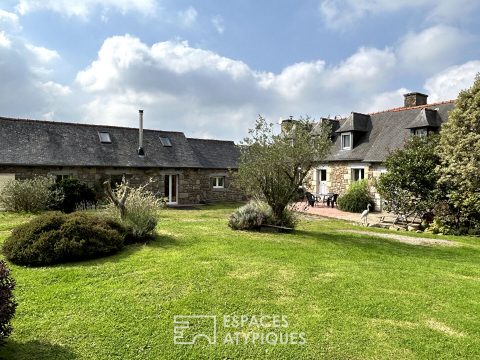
459, 169
273, 166
408, 186
75, 194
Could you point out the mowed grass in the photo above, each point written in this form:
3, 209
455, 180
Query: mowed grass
354, 296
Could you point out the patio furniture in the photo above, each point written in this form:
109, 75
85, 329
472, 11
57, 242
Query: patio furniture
331, 199
311, 199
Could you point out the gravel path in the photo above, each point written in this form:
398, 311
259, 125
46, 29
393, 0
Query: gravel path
406, 239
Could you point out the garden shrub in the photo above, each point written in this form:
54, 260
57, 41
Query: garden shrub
30, 195
356, 198
257, 213
7, 301
250, 216
75, 195
55, 238
141, 211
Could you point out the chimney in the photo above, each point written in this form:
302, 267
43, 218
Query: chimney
141, 152
415, 99
287, 124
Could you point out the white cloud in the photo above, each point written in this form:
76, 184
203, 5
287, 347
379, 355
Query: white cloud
187, 17
82, 9
219, 24
199, 91
9, 20
27, 88
433, 48
43, 54
447, 84
383, 101
4, 40
339, 14
55, 89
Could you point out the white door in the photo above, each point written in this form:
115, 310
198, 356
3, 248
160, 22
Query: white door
322, 181
171, 188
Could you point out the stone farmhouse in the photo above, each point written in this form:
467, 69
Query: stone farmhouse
361, 142
185, 170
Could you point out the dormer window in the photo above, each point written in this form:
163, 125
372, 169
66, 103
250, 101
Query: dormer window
421, 132
104, 137
346, 139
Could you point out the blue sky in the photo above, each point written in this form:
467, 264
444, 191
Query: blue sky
208, 68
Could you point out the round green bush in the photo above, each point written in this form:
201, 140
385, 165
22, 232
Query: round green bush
56, 238
356, 198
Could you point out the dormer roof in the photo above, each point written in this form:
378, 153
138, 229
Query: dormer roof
355, 122
425, 118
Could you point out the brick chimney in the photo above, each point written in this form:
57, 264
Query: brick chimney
287, 124
415, 99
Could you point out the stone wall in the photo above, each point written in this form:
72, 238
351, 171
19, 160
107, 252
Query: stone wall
195, 185
339, 177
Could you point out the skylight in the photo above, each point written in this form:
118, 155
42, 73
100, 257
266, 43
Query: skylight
165, 141
104, 137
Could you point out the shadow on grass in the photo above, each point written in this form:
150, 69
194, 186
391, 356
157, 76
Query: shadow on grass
383, 246
158, 241
35, 349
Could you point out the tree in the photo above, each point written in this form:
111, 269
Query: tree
459, 170
274, 166
408, 186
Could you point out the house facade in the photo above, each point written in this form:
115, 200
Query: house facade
362, 142
184, 170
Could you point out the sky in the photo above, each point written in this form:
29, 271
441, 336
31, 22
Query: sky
210, 68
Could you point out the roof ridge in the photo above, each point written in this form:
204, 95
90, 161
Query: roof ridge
402, 108
85, 124
218, 140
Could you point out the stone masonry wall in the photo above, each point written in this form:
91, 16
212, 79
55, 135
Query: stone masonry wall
339, 177
195, 185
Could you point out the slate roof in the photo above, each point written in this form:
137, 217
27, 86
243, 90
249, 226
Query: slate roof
386, 131
47, 143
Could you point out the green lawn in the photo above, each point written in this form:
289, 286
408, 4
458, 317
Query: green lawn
354, 296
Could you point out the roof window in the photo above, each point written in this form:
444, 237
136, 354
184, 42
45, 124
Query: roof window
165, 141
104, 137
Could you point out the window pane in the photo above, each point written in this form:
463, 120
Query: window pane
165, 141
323, 175
346, 141
104, 137
358, 174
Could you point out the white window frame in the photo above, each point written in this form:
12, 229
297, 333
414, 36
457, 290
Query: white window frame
350, 137
216, 180
352, 172
421, 132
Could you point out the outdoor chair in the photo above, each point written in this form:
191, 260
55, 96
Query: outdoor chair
332, 200
310, 198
